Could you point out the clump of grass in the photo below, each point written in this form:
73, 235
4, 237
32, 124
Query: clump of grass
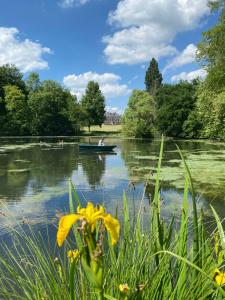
162, 261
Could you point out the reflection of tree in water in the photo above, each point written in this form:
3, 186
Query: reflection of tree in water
149, 192
94, 167
53, 165
35, 168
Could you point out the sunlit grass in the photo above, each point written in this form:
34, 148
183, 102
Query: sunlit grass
107, 130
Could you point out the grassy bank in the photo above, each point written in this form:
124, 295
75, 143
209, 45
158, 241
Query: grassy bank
115, 260
105, 130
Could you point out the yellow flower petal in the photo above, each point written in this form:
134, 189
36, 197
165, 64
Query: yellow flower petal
219, 277
73, 254
99, 214
113, 227
124, 288
65, 224
99, 210
87, 212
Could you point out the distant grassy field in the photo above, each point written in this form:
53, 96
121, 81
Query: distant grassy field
104, 130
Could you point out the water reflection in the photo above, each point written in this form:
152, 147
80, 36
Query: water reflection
34, 176
93, 165
35, 168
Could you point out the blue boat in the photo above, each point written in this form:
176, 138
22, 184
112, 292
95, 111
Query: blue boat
92, 147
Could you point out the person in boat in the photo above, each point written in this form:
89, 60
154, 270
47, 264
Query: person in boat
101, 142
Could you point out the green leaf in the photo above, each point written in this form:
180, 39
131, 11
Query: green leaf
109, 297
72, 210
93, 279
76, 197
220, 229
126, 217
195, 214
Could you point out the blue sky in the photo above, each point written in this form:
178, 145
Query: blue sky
110, 41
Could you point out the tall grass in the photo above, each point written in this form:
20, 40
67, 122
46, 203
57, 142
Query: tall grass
159, 262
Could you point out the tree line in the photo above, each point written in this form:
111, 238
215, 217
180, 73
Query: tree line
35, 107
187, 109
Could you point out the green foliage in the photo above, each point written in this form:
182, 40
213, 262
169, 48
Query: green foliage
10, 75
211, 52
93, 105
35, 107
216, 4
214, 118
193, 125
33, 82
174, 105
153, 78
139, 117
53, 109
17, 121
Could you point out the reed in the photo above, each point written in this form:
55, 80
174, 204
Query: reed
161, 261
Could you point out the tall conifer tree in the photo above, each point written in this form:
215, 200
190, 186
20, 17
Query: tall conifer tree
153, 78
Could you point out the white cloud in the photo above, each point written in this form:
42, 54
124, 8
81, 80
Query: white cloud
71, 3
137, 45
147, 28
109, 84
185, 57
114, 109
25, 54
200, 73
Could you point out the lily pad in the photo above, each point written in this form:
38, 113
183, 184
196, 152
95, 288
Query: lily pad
147, 157
18, 170
22, 161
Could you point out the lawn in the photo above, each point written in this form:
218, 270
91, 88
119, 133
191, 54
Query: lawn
107, 130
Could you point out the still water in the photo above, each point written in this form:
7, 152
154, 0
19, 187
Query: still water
34, 177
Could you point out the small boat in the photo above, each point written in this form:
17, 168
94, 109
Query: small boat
93, 147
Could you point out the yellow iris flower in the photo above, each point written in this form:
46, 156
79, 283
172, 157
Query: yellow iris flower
73, 254
90, 214
219, 277
124, 288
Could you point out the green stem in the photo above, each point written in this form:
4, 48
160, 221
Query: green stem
82, 283
72, 277
100, 295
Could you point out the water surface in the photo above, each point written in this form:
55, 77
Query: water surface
34, 177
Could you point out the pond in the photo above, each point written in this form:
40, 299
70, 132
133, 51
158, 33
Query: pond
34, 176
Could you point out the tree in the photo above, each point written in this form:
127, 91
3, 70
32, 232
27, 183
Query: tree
17, 111
93, 105
214, 118
192, 127
153, 78
174, 104
211, 94
33, 82
9, 75
139, 117
211, 51
53, 110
